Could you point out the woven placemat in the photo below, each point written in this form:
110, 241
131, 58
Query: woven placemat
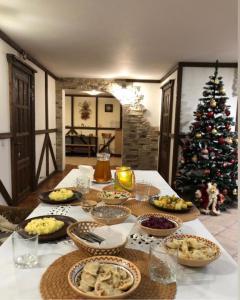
54, 282
143, 207
152, 190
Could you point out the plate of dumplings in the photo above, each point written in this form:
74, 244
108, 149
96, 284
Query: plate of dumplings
192, 250
104, 277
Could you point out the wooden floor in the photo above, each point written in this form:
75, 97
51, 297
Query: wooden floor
32, 200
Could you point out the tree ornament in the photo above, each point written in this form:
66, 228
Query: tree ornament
225, 192
213, 102
214, 131
207, 171
204, 151
195, 158
198, 135
209, 128
229, 140
198, 114
227, 112
221, 141
205, 93
228, 126
235, 192
216, 81
210, 114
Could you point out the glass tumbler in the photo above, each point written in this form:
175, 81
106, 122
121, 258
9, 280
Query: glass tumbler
142, 190
24, 250
162, 265
83, 186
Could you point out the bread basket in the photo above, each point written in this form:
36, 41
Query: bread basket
86, 226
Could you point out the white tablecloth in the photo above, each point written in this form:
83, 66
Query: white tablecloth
216, 281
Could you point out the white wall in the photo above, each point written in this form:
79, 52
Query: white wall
5, 160
193, 81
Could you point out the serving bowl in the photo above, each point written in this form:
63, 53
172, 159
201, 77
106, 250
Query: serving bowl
193, 262
74, 275
114, 197
86, 226
156, 231
110, 214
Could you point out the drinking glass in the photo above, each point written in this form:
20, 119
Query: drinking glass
162, 265
24, 250
83, 186
142, 190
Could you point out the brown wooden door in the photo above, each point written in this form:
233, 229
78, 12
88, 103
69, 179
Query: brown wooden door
22, 129
165, 130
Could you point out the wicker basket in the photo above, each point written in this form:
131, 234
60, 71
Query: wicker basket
111, 220
86, 227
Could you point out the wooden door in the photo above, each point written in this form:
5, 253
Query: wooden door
22, 128
165, 130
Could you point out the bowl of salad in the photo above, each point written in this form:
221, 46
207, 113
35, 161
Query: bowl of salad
114, 197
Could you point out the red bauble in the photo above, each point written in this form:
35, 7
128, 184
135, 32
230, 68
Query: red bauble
221, 141
232, 161
218, 173
209, 128
227, 112
210, 114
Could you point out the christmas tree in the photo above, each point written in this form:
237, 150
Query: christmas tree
209, 153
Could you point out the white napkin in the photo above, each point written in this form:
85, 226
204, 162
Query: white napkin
114, 235
86, 171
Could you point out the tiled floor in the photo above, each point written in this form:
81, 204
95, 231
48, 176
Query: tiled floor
225, 229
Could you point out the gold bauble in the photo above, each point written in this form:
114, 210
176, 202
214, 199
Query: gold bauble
229, 140
214, 131
198, 135
195, 158
213, 102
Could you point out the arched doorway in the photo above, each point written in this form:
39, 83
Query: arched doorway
93, 123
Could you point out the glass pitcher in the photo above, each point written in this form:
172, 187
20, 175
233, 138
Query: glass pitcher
102, 170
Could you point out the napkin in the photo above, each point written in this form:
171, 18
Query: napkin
114, 235
86, 171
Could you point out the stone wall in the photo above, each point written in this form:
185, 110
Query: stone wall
140, 139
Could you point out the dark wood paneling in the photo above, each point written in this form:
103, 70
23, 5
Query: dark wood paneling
5, 135
46, 122
208, 64
43, 131
5, 194
15, 46
177, 124
22, 124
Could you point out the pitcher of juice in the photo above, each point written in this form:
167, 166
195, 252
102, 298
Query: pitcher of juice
102, 172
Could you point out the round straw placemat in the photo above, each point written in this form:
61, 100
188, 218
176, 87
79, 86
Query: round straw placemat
54, 282
139, 208
139, 186
91, 195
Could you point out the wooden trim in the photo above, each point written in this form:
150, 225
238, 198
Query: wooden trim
43, 131
12, 59
41, 158
5, 194
46, 122
139, 80
92, 128
170, 72
15, 46
5, 135
121, 116
52, 152
208, 64
177, 124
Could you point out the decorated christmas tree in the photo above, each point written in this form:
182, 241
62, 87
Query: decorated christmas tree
209, 153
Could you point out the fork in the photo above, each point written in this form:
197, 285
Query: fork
88, 236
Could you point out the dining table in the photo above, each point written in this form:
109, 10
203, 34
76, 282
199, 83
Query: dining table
218, 280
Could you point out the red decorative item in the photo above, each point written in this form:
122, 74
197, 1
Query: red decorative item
221, 141
210, 114
227, 112
209, 128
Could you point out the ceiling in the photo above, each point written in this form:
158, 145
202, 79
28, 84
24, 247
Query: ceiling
121, 38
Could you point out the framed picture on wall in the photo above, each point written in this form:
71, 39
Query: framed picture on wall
108, 107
